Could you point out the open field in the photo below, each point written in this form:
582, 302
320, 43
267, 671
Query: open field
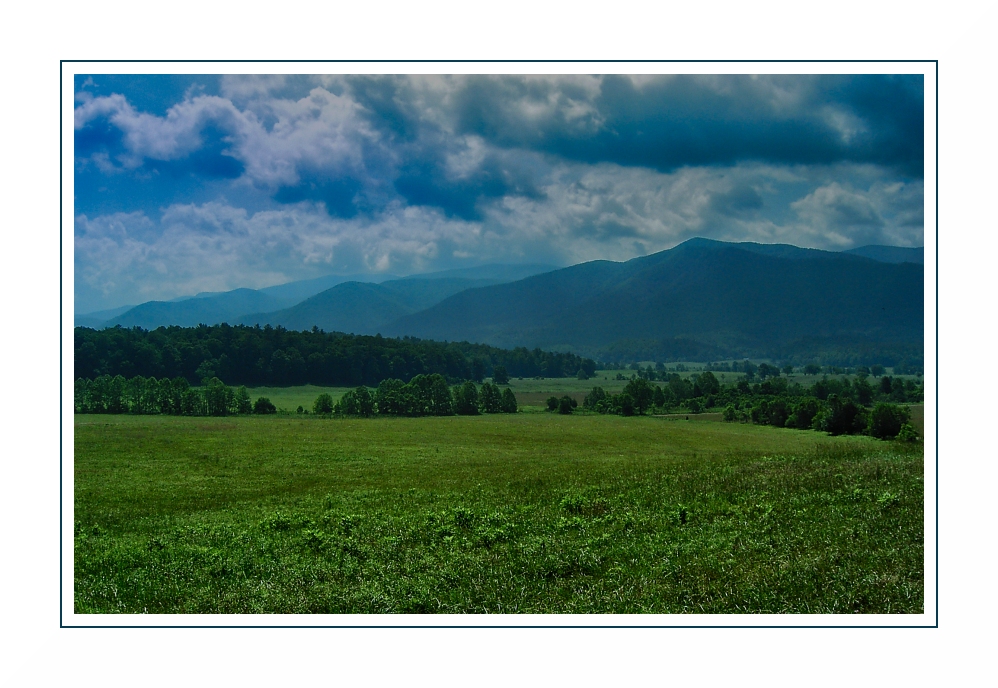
500, 514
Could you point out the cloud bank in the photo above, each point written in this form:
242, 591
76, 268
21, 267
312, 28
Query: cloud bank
253, 181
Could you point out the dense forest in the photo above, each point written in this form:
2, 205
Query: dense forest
240, 355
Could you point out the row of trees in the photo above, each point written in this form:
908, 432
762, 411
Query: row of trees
424, 395
176, 397
837, 406
254, 356
836, 416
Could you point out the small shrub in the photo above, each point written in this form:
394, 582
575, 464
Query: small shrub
907, 433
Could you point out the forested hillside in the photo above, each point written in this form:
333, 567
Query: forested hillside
710, 298
241, 355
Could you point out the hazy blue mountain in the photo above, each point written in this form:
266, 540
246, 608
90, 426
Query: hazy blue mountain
295, 292
722, 297
364, 308
493, 271
211, 310
96, 319
890, 254
241, 305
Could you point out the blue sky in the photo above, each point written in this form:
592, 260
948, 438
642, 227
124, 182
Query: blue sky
189, 183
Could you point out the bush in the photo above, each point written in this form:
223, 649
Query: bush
263, 405
566, 404
907, 433
552, 403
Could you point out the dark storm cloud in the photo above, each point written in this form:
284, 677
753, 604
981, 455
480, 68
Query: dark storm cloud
679, 121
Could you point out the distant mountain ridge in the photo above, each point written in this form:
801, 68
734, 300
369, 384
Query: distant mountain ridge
701, 300
891, 254
363, 308
274, 305
723, 297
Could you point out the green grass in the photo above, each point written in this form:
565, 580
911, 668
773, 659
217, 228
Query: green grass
491, 514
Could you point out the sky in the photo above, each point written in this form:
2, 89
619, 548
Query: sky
192, 183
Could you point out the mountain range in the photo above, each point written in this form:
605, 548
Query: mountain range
290, 305
702, 299
731, 298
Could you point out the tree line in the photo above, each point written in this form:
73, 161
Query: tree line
255, 356
834, 405
174, 397
423, 395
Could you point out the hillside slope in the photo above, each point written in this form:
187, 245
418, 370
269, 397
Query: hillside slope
730, 297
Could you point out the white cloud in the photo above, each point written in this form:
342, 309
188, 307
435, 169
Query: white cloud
128, 258
585, 212
321, 131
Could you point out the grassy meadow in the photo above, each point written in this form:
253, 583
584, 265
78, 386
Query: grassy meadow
523, 513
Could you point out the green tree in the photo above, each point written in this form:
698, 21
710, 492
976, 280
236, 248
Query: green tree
642, 392
490, 398
582, 375
216, 397
594, 398
862, 391
323, 404
565, 405
466, 399
391, 397
886, 420
478, 370
843, 417
766, 370
243, 402
705, 384
500, 376
441, 402
552, 403
803, 414
508, 401
626, 404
